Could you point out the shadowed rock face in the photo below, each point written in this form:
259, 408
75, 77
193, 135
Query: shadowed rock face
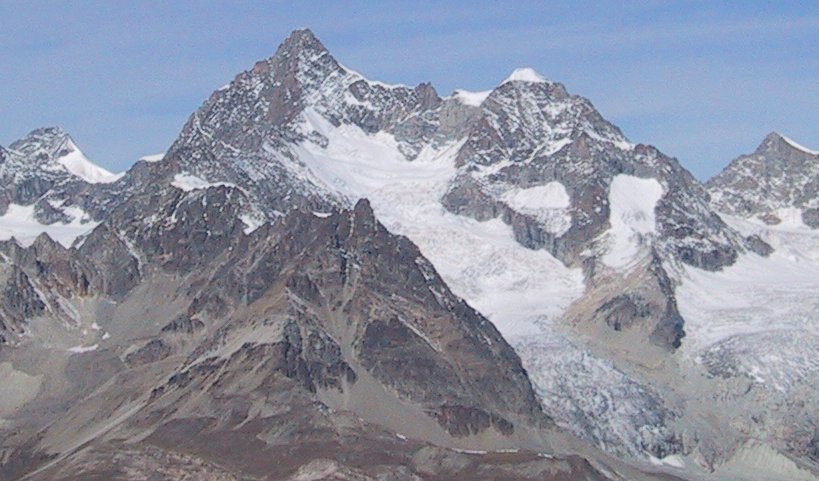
274, 334
779, 174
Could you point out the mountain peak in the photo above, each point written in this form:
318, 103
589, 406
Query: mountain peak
50, 140
525, 74
779, 174
301, 51
54, 148
775, 139
300, 40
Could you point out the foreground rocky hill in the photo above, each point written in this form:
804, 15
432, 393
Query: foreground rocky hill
316, 344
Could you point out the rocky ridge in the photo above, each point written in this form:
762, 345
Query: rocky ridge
304, 334
779, 179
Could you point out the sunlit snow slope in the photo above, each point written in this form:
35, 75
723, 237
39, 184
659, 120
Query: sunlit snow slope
761, 315
516, 287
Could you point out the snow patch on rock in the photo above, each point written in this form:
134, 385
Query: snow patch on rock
188, 182
83, 349
474, 99
549, 203
153, 157
631, 202
20, 223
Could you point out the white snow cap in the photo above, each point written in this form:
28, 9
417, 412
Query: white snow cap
525, 74
475, 99
799, 146
153, 157
76, 163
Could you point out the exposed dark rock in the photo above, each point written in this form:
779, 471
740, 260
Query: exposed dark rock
184, 324
467, 421
779, 174
154, 350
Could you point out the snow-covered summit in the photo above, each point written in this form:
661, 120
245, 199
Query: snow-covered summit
525, 74
47, 185
52, 149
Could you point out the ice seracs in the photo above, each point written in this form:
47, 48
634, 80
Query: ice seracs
520, 198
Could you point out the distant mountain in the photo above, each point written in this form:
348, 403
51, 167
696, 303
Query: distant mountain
45, 179
777, 183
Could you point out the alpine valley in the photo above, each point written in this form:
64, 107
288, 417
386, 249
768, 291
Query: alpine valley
331, 278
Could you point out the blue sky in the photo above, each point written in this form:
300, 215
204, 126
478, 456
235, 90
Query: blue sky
703, 81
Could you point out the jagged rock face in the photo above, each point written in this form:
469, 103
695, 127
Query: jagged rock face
779, 175
20, 302
265, 337
532, 133
245, 133
527, 134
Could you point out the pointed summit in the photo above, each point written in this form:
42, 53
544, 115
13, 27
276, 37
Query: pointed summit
52, 148
777, 142
302, 39
301, 57
44, 139
302, 51
779, 174
772, 141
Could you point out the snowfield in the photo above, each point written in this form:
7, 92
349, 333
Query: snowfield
549, 203
19, 223
515, 287
78, 164
632, 201
759, 317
